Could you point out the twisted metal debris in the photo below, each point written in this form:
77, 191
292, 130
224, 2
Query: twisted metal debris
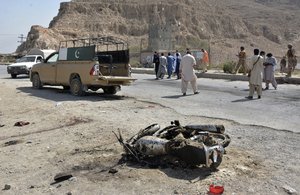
191, 145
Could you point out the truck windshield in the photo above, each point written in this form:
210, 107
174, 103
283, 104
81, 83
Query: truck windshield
26, 59
52, 58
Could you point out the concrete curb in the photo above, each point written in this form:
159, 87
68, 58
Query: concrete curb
214, 74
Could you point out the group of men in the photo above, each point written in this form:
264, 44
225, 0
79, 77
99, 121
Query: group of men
290, 56
165, 65
262, 68
184, 68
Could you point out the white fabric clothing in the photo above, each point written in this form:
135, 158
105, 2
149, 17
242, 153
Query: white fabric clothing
187, 67
184, 85
179, 55
162, 67
268, 73
256, 70
253, 88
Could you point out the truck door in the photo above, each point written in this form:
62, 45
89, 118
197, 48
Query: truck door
48, 70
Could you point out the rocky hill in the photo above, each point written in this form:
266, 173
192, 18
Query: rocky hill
220, 26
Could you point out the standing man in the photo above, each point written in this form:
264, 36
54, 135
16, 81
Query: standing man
177, 53
204, 61
269, 71
292, 60
177, 62
170, 65
256, 69
162, 67
187, 65
156, 62
283, 65
242, 61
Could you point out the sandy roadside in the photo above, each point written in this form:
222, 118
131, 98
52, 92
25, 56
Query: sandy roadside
74, 135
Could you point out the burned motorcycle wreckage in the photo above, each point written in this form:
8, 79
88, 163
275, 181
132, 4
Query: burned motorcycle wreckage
190, 145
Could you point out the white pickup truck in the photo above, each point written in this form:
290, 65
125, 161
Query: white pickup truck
23, 65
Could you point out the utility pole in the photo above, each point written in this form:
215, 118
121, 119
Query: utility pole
21, 37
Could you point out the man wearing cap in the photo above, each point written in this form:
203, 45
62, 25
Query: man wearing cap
242, 61
292, 60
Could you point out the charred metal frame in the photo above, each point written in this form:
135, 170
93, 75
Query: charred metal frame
107, 41
153, 141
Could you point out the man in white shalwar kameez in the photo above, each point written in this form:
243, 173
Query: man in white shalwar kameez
256, 70
187, 65
162, 67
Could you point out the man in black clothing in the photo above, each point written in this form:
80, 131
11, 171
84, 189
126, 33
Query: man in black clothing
156, 62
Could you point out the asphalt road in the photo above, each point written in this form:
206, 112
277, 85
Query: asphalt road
278, 109
223, 99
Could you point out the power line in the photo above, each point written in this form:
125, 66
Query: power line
8, 34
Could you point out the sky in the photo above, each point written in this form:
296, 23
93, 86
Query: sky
17, 17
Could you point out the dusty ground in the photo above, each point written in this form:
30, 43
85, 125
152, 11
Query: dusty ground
74, 135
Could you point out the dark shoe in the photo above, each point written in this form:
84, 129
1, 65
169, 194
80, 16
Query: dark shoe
196, 92
275, 88
184, 94
266, 88
156, 79
259, 97
249, 97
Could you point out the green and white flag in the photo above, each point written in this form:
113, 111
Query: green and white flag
77, 53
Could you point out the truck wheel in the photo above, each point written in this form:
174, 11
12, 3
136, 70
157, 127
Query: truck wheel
111, 90
36, 82
13, 76
76, 87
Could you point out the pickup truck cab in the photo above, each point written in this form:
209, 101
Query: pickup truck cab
88, 64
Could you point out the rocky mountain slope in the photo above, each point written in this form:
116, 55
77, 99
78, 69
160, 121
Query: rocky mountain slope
220, 26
